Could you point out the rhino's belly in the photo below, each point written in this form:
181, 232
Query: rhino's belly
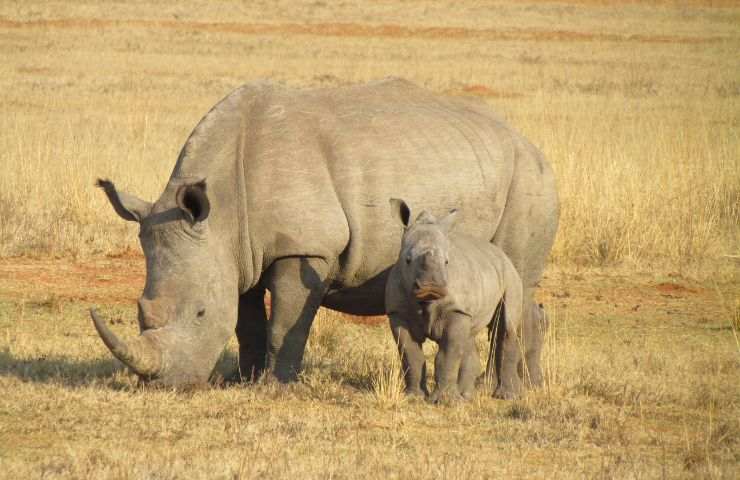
365, 299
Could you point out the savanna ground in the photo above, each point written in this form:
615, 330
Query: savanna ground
637, 105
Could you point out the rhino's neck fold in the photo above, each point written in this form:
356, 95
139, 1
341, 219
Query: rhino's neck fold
245, 253
218, 149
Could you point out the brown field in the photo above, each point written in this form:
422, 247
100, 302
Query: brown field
637, 106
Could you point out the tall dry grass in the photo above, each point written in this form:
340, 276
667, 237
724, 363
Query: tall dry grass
643, 134
639, 119
636, 186
642, 187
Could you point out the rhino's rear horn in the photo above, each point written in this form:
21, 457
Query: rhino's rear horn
140, 355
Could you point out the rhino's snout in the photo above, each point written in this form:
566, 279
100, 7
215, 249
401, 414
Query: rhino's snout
153, 314
430, 282
428, 291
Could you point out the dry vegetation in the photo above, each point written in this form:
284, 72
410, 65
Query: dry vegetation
637, 105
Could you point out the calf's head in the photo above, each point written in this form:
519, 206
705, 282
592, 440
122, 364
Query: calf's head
187, 310
424, 255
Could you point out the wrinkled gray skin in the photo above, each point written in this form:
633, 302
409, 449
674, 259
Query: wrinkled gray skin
446, 287
287, 190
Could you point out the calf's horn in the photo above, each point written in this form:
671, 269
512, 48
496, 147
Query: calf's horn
140, 355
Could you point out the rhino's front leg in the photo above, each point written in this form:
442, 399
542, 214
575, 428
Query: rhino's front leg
413, 361
452, 347
251, 332
470, 369
297, 286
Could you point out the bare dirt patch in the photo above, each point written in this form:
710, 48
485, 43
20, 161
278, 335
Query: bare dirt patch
103, 280
483, 91
357, 30
120, 280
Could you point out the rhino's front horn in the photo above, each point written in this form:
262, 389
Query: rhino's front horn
140, 355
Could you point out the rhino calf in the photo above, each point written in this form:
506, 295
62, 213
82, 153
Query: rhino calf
447, 287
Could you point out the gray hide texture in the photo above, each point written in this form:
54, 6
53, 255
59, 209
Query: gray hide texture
287, 190
447, 287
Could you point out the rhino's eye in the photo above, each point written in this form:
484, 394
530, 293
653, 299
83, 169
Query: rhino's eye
201, 312
447, 262
408, 259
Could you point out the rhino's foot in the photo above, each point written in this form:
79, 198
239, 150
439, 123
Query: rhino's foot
506, 393
240, 376
468, 394
233, 377
415, 392
533, 379
534, 384
273, 378
445, 397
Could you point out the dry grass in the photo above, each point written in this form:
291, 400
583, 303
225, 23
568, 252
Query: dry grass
639, 118
630, 393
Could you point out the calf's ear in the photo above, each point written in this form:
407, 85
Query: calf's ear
400, 211
193, 201
448, 222
126, 206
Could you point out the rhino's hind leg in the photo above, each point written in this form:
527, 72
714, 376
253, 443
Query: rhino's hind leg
251, 332
297, 286
526, 234
534, 327
507, 359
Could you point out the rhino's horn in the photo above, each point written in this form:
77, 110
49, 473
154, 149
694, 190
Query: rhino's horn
140, 355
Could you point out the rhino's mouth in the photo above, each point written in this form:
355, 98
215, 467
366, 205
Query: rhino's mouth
428, 292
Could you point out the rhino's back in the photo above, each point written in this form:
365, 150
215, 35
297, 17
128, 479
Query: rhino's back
322, 165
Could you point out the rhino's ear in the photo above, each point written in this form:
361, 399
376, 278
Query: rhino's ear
400, 211
193, 201
127, 206
448, 222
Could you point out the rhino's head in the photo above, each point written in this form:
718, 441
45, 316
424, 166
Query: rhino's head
425, 248
188, 308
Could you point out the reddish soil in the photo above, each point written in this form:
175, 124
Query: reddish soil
120, 281
102, 280
357, 30
484, 91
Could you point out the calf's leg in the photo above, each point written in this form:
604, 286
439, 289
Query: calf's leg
470, 369
452, 347
412, 356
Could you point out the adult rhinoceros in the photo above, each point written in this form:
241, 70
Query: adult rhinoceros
288, 191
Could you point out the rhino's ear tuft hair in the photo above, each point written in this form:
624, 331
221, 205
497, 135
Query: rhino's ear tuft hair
448, 222
192, 200
400, 211
126, 206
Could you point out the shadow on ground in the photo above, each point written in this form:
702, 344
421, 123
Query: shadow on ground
59, 369
105, 371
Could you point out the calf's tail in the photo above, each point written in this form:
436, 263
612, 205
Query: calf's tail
496, 331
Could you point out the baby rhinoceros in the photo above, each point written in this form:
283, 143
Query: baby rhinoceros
446, 287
